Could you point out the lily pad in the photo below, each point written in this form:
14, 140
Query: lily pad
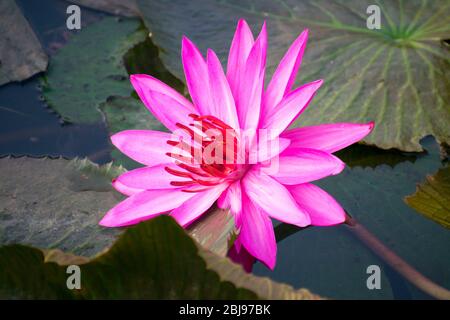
153, 260
397, 76
432, 197
90, 68
21, 54
56, 203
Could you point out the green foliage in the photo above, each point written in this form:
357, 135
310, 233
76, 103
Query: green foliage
153, 260
89, 69
56, 203
432, 197
397, 76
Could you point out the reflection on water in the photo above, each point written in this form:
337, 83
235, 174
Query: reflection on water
27, 126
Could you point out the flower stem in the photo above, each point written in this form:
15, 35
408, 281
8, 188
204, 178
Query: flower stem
397, 263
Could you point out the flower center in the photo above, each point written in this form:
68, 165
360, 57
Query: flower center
206, 156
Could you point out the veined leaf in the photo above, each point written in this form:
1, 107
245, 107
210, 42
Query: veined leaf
398, 76
432, 197
90, 68
56, 204
153, 260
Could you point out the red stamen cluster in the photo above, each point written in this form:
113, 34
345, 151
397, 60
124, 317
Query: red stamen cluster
198, 167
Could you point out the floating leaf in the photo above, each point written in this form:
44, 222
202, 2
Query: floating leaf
398, 76
89, 69
56, 204
153, 260
21, 54
432, 197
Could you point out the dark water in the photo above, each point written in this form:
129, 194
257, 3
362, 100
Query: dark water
329, 261
27, 125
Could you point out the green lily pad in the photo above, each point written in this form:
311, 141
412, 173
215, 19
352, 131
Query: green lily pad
153, 260
397, 76
21, 54
90, 68
56, 203
432, 197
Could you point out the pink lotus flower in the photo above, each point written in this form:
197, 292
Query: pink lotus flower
179, 180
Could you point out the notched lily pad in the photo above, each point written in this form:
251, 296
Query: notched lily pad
21, 54
153, 260
432, 197
398, 76
90, 68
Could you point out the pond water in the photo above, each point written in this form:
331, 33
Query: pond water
329, 261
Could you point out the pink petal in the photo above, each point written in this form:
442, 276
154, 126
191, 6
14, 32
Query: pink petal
196, 72
145, 146
144, 205
252, 84
328, 137
263, 37
240, 48
284, 76
267, 149
240, 255
221, 97
197, 205
126, 190
273, 198
147, 178
321, 207
167, 105
232, 199
257, 235
279, 118
297, 166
